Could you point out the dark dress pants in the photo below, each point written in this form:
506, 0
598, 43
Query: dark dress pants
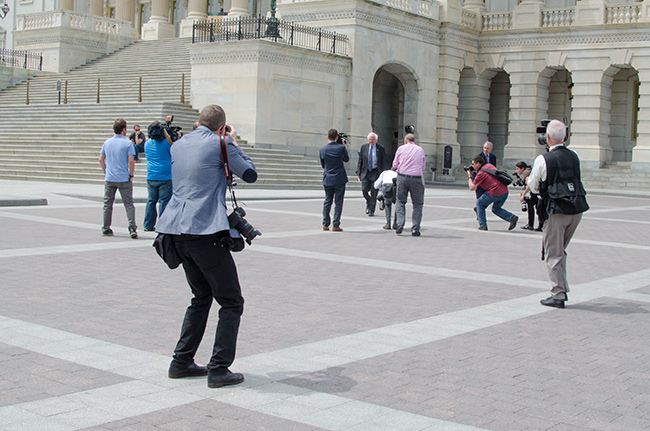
211, 273
369, 191
333, 194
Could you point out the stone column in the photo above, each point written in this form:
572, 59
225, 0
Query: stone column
124, 10
591, 107
97, 7
528, 105
158, 26
239, 8
641, 152
67, 4
447, 124
198, 10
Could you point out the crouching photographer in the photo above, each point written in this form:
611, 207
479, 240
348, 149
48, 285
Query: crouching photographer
530, 201
196, 220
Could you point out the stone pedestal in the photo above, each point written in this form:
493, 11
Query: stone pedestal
158, 30
590, 12
527, 15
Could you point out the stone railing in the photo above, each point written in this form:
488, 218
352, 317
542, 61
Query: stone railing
468, 18
428, 8
557, 17
623, 13
494, 21
69, 19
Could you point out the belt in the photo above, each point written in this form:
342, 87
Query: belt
409, 176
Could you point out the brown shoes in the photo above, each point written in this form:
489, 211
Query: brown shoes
337, 229
326, 228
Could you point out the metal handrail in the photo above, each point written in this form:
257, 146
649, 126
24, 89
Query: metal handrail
247, 28
21, 59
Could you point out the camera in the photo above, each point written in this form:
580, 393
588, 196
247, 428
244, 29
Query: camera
541, 131
342, 138
409, 129
237, 221
524, 206
468, 168
172, 133
519, 182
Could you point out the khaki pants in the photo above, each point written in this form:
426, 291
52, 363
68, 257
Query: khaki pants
558, 231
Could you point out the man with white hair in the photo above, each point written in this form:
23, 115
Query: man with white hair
556, 178
369, 166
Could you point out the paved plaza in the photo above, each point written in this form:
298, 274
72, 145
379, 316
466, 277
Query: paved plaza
360, 330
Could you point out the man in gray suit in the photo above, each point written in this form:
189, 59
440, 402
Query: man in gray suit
370, 165
196, 218
332, 159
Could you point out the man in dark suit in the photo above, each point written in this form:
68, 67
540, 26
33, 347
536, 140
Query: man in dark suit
489, 158
370, 165
332, 159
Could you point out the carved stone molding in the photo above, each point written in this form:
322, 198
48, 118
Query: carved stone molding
59, 40
336, 68
565, 40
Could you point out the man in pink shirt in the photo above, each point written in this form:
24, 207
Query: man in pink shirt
495, 194
409, 163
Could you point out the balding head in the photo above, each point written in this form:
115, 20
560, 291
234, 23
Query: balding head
213, 117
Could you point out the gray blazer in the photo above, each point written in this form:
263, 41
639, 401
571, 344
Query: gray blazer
198, 203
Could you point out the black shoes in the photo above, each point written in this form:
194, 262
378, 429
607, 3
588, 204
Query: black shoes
482, 228
192, 370
219, 380
513, 222
153, 229
107, 232
415, 232
528, 227
538, 229
552, 302
133, 233
399, 230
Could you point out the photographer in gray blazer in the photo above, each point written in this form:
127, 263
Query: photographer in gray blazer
197, 219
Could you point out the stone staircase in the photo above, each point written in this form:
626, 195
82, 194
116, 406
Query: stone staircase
616, 176
48, 141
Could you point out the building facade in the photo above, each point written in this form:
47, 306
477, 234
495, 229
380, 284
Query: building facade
460, 73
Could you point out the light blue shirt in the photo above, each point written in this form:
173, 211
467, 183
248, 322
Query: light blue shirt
198, 203
117, 151
159, 159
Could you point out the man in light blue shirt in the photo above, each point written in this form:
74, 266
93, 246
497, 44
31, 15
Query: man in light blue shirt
197, 219
117, 161
159, 174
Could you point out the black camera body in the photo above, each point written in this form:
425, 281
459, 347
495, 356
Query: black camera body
172, 133
541, 133
342, 138
237, 221
468, 168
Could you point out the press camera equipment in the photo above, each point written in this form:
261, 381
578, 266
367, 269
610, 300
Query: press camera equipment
519, 182
237, 221
524, 206
409, 129
541, 133
172, 133
342, 138
468, 168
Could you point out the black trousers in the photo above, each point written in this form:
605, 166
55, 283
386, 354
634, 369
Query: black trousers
211, 273
368, 189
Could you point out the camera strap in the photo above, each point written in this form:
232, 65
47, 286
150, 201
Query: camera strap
226, 169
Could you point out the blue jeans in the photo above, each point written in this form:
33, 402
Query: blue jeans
497, 203
159, 192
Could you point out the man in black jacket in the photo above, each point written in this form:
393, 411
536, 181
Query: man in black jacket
556, 177
333, 157
370, 165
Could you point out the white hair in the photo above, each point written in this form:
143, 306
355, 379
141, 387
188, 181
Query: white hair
373, 134
556, 131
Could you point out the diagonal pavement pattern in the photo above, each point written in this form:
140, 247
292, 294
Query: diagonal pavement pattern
359, 330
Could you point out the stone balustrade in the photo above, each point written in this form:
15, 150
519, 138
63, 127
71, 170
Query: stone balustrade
428, 8
557, 17
73, 20
495, 21
623, 13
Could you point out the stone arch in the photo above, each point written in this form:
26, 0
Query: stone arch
621, 85
394, 104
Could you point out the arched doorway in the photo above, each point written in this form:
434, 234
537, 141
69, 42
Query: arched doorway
624, 114
557, 83
394, 105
